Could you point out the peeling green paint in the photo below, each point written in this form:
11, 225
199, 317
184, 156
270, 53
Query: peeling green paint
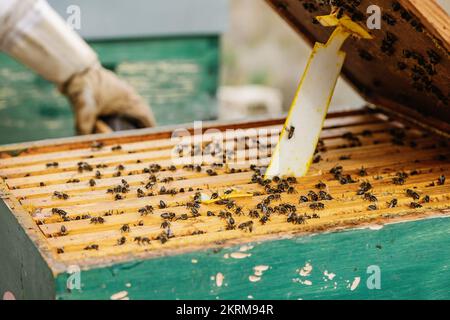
413, 259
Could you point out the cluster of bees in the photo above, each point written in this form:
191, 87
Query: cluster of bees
261, 213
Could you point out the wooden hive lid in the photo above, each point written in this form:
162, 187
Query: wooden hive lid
404, 68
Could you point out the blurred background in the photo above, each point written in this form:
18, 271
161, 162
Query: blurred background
191, 59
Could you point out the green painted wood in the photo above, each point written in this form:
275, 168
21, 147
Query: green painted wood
413, 258
23, 271
177, 76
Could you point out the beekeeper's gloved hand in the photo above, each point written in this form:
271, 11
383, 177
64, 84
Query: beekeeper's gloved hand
33, 33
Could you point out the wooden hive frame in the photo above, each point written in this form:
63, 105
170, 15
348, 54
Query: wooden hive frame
384, 146
404, 68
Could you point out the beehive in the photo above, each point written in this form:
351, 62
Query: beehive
59, 190
142, 220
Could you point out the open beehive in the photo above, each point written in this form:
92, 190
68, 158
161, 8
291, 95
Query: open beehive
108, 200
99, 202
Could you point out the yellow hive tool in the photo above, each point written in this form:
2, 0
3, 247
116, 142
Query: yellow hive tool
300, 135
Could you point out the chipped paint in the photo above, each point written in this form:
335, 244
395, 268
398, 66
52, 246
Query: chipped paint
329, 275
304, 282
260, 269
306, 270
355, 283
254, 278
219, 279
239, 255
245, 248
119, 295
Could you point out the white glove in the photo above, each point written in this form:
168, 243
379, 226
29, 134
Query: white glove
33, 33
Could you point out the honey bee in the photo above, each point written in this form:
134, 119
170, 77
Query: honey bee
291, 131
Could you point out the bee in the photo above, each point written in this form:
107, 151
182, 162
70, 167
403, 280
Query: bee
317, 206
59, 212
253, 214
116, 148
291, 131
325, 196
291, 190
125, 228
415, 205
97, 220
121, 241
412, 194
296, 219
84, 166
195, 212
167, 180
362, 172
59, 250
41, 184
238, 211
210, 214
264, 219
163, 237
98, 174
230, 204
168, 215
52, 164
118, 197
140, 193
321, 185
92, 247
291, 180
142, 240
162, 204
63, 231
303, 199
246, 226
166, 224
215, 195
317, 158
172, 168
372, 207
61, 195
140, 223
231, 223
370, 197
92, 182
441, 180
146, 210
398, 181
363, 188
313, 196
426, 199
183, 216
393, 203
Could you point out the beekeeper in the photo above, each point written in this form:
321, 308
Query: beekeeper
35, 35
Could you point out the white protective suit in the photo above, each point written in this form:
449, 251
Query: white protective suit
35, 35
